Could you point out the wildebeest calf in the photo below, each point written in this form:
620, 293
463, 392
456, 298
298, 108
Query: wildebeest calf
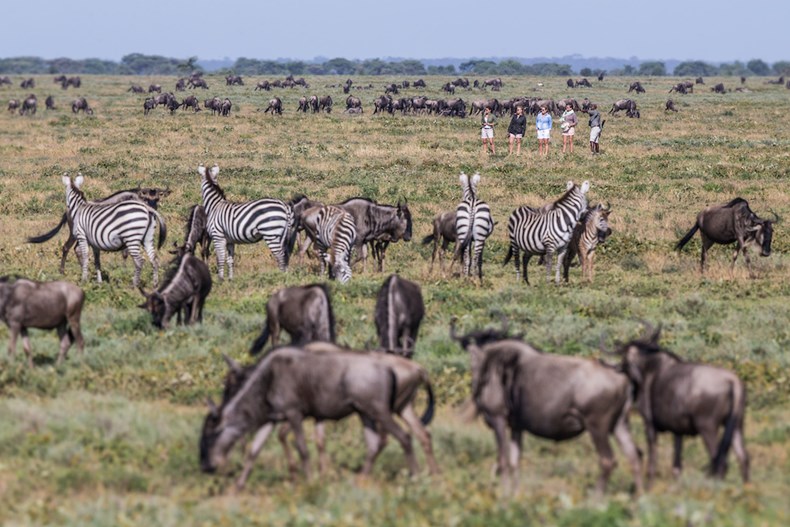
305, 312
592, 229
185, 287
45, 305
444, 232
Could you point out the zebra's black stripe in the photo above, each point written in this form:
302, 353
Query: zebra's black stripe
474, 224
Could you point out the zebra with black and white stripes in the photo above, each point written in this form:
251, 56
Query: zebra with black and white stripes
333, 231
113, 227
546, 231
228, 223
473, 225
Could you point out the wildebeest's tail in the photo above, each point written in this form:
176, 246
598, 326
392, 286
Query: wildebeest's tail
427, 417
162, 226
260, 342
394, 389
690, 234
734, 421
428, 239
48, 236
329, 312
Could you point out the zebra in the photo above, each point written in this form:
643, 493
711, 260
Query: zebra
593, 229
333, 231
112, 227
270, 220
547, 230
473, 225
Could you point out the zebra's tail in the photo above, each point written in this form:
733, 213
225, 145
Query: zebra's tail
48, 236
690, 234
510, 254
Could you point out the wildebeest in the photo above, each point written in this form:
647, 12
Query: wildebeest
198, 82
670, 106
263, 85
28, 84
312, 102
231, 80
185, 288
730, 223
518, 388
341, 383
382, 103
181, 84
779, 81
601, 76
354, 111
637, 87
155, 88
191, 102
50, 103
148, 105
699, 80
325, 103
378, 225
592, 230
398, 314
569, 83
303, 106
214, 104
13, 105
583, 82
196, 233
625, 104
305, 312
275, 106
444, 232
66, 82
29, 105
353, 102
5, 80
683, 87
419, 83
719, 88
44, 305
81, 103
391, 88
686, 399
225, 107
136, 88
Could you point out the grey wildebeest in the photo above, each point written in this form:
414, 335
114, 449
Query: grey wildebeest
29, 105
191, 102
517, 388
81, 103
263, 85
353, 102
730, 223
398, 315
592, 230
185, 288
28, 84
303, 105
625, 104
341, 383
444, 232
13, 105
196, 232
719, 88
147, 195
50, 103
148, 105
305, 312
670, 106
378, 225
325, 103
637, 87
275, 106
155, 88
686, 399
44, 305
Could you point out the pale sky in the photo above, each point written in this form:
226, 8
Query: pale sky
710, 30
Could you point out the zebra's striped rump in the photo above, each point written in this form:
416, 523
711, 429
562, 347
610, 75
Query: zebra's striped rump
547, 230
473, 225
334, 232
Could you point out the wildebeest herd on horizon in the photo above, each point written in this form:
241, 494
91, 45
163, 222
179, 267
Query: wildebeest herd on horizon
510, 377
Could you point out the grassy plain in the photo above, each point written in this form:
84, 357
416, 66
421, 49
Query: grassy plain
111, 437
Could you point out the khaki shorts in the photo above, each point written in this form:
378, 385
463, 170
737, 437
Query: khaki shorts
487, 133
544, 134
570, 132
595, 134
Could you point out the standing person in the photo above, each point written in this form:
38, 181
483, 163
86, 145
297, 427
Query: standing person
595, 129
569, 122
518, 125
543, 125
487, 130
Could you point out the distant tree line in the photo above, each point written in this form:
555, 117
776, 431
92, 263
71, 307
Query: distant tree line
139, 64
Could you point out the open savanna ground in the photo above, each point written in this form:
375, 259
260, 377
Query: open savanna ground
110, 437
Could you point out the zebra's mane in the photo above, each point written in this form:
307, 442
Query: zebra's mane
217, 188
568, 193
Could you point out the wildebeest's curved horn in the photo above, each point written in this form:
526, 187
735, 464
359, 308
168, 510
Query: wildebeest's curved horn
608, 207
651, 332
234, 366
142, 291
777, 219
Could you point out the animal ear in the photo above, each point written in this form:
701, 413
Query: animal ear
202, 170
66, 179
569, 185
214, 172
475, 179
464, 179
234, 366
79, 180
585, 187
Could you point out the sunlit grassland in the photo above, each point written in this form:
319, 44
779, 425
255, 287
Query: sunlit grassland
110, 438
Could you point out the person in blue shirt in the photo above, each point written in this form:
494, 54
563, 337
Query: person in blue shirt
543, 125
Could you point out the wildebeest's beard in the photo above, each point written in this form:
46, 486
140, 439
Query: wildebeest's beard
767, 233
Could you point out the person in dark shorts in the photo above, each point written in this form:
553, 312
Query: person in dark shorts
518, 125
595, 129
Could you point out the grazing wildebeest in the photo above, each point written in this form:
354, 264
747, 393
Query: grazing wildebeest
378, 225
181, 84
305, 312
391, 88
50, 103
719, 88
5, 80
173, 105
583, 82
625, 104
569, 83
312, 102
398, 314
780, 81
231, 80
165, 99
353, 102
518, 388
382, 103
185, 288
198, 82
449, 88
13, 105
341, 383
29, 105
699, 80
686, 399
325, 103
419, 83
670, 106
303, 106
74, 81
44, 305
592, 230
155, 88
730, 223
135, 88
148, 105
444, 232
263, 85
637, 87
28, 84
275, 106
601, 76
224, 108
214, 104
148, 195
81, 104
191, 102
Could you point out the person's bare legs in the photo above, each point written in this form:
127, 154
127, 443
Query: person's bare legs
518, 146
